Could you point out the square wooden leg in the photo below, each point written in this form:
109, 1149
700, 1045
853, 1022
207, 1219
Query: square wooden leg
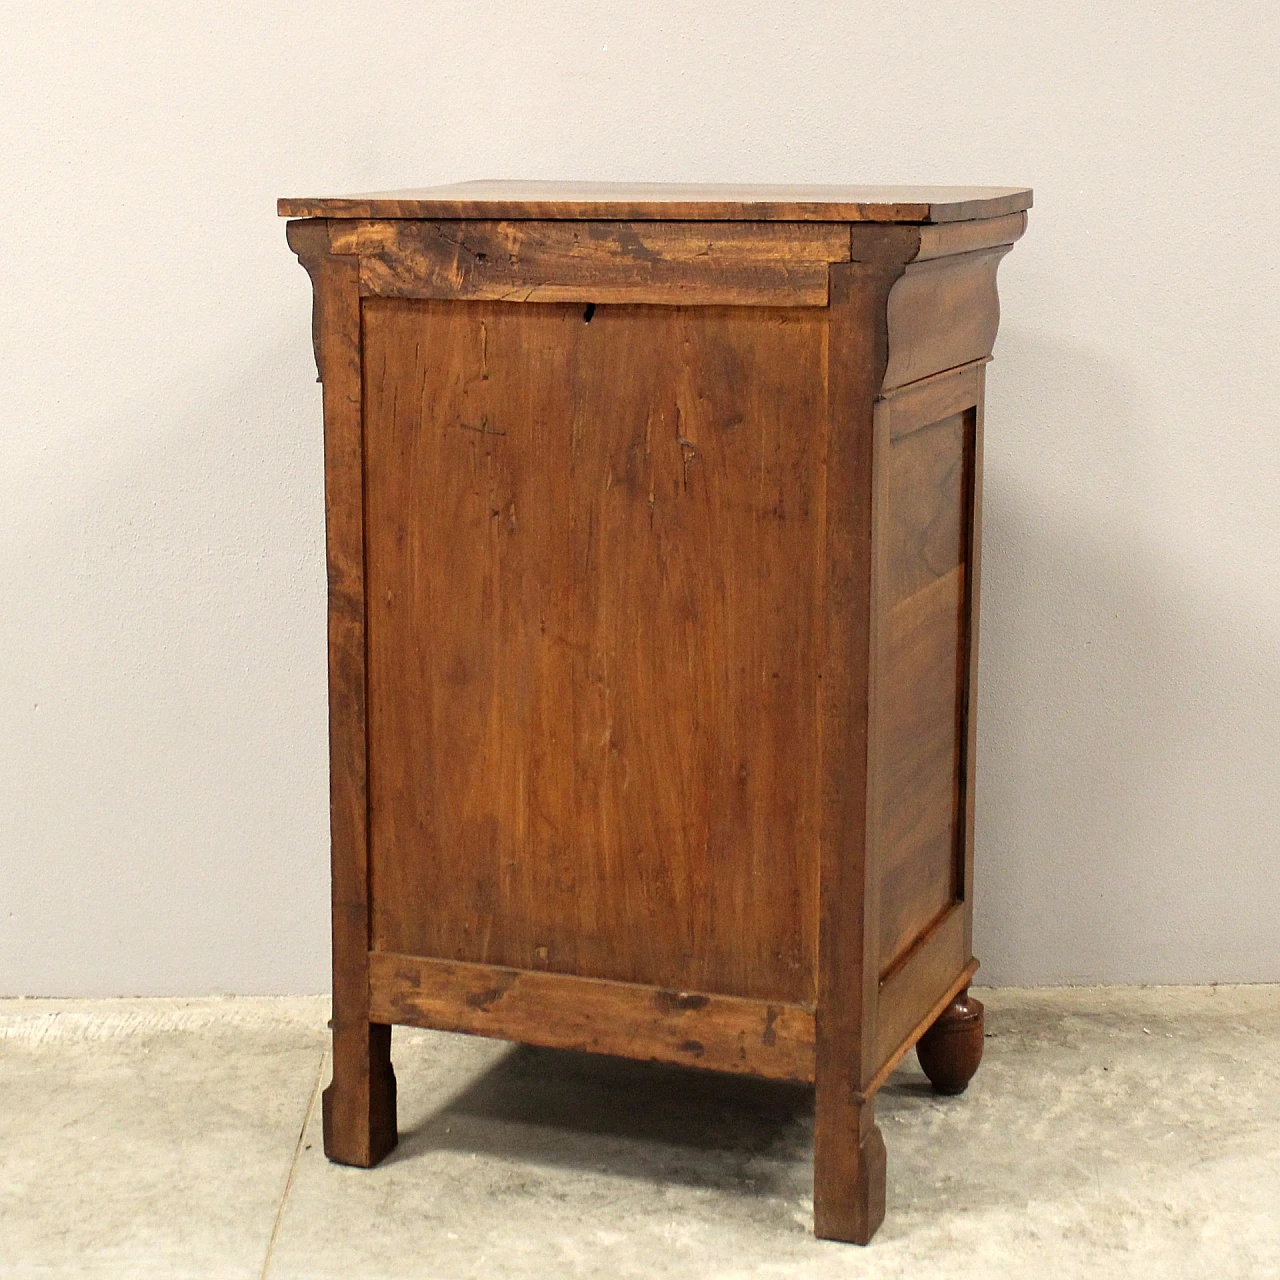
848, 1169
359, 1107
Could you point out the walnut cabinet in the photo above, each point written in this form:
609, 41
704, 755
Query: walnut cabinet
653, 527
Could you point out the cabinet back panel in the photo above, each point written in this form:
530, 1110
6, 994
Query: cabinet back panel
593, 541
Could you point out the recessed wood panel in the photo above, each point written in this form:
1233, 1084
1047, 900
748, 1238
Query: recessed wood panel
594, 552
921, 728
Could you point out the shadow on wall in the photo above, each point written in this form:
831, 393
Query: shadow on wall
1127, 805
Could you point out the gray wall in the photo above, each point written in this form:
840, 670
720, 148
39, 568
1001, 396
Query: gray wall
163, 786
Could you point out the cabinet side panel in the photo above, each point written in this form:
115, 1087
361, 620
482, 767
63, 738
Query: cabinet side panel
922, 732
592, 565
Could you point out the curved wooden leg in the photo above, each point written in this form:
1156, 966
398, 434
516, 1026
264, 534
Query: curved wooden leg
951, 1049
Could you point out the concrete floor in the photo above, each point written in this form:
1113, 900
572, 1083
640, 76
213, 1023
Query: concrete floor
1110, 1132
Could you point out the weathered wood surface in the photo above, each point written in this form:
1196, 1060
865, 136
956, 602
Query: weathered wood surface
655, 547
671, 202
890, 1064
695, 263
849, 1155
559, 1011
360, 1104
951, 1050
595, 554
921, 731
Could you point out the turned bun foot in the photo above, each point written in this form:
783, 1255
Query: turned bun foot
951, 1049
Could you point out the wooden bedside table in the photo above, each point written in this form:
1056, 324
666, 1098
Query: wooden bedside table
653, 541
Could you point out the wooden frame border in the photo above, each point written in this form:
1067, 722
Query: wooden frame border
565, 1011
898, 412
359, 1106
669, 263
773, 1040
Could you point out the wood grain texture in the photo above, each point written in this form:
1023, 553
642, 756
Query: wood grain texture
890, 1064
654, 555
923, 608
696, 263
594, 556
849, 1163
949, 238
721, 1033
360, 1104
921, 736
671, 201
932, 398
921, 770
896, 567
309, 240
930, 968
926, 589
942, 313
951, 1050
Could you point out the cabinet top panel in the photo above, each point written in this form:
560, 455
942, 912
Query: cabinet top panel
675, 201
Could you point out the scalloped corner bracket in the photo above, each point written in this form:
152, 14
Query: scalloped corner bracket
309, 240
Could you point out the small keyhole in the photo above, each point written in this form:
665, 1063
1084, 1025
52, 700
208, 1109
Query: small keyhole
588, 313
